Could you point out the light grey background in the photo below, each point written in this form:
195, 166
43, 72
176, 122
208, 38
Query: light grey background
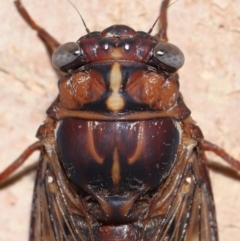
207, 31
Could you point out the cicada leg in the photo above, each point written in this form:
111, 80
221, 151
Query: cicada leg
208, 146
51, 43
20, 160
163, 23
162, 19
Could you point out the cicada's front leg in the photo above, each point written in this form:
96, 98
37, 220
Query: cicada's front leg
50, 42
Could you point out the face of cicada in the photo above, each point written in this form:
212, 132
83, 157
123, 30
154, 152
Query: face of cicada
203, 71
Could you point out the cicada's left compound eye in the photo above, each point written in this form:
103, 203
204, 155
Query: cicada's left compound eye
65, 54
169, 55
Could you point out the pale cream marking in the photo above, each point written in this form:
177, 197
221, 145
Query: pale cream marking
179, 128
116, 168
91, 146
189, 180
116, 54
50, 179
115, 101
140, 145
51, 184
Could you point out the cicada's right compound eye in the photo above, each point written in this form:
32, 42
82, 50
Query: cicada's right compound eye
169, 55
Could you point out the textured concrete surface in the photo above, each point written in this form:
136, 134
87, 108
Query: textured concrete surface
208, 32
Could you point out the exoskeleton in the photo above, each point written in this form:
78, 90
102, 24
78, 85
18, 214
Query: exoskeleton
121, 157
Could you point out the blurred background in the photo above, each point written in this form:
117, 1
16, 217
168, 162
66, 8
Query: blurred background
207, 31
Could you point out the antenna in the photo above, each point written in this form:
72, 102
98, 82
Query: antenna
86, 28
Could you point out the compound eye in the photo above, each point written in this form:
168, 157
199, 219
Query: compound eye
169, 55
65, 54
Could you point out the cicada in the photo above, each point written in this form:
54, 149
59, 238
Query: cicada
121, 157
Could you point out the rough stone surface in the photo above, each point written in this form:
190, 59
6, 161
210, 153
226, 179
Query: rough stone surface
207, 31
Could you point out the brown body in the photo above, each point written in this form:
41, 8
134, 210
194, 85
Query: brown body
121, 157
109, 229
